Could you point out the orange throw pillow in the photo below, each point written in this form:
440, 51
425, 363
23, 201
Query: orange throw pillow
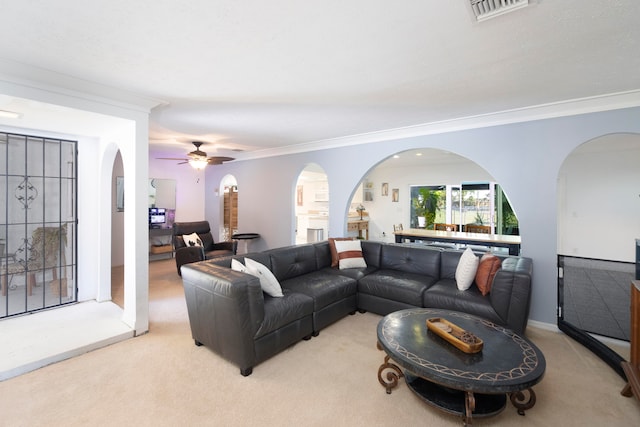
487, 269
334, 253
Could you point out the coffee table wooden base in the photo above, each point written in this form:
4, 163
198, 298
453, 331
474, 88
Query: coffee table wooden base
457, 402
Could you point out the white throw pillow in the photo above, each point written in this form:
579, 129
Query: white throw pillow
350, 254
268, 281
192, 239
466, 270
238, 266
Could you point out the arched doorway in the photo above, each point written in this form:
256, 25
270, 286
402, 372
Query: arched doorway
598, 223
117, 232
228, 207
311, 207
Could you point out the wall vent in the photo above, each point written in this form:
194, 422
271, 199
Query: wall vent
486, 9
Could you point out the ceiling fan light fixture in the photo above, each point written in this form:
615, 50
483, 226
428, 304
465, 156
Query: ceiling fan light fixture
198, 163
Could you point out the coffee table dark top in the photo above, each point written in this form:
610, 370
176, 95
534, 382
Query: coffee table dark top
507, 362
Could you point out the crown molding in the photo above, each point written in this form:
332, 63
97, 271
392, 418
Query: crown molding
573, 107
36, 78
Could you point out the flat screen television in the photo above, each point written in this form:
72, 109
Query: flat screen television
157, 217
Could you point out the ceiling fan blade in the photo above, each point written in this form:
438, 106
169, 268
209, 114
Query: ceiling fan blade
182, 163
218, 160
171, 158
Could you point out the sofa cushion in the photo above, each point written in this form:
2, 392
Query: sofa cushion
293, 261
324, 286
396, 285
279, 312
487, 269
371, 251
350, 254
323, 254
446, 295
466, 270
411, 259
268, 281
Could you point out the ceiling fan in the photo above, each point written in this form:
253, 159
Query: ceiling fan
198, 158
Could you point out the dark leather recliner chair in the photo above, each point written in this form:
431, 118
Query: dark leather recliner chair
188, 254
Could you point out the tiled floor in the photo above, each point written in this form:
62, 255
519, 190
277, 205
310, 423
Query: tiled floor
597, 296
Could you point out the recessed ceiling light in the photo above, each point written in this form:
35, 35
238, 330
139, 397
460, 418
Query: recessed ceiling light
418, 154
10, 114
395, 156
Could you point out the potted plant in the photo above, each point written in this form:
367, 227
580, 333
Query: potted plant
424, 205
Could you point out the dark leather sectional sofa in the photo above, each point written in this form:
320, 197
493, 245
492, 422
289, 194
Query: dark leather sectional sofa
230, 314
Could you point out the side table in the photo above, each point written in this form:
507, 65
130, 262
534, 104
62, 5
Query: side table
245, 238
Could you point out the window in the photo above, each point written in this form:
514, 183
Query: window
479, 203
428, 205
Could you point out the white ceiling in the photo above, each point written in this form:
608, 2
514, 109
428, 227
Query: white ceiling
256, 74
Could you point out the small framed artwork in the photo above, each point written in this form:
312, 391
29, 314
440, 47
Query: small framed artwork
385, 189
395, 195
368, 191
299, 192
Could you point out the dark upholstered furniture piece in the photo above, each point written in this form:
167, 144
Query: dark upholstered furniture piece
229, 313
188, 254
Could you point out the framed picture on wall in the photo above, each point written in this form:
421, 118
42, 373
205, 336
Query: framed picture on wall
385, 189
299, 199
367, 188
395, 195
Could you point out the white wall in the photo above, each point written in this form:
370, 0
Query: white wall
102, 127
525, 158
190, 186
599, 199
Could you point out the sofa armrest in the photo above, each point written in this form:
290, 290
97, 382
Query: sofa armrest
226, 246
225, 308
188, 255
510, 293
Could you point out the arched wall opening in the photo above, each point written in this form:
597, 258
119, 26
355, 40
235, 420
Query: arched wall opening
387, 194
117, 232
311, 205
598, 210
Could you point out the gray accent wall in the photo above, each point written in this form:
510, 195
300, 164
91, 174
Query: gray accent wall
525, 158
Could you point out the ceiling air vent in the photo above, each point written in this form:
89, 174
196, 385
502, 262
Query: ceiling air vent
485, 9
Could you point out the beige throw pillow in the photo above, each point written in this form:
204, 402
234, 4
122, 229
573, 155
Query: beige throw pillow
350, 254
332, 247
466, 270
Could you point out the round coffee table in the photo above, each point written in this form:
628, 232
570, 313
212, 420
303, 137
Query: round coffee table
467, 384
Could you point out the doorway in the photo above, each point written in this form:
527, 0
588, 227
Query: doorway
229, 190
311, 205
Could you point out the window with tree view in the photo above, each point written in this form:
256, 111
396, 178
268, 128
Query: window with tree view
482, 203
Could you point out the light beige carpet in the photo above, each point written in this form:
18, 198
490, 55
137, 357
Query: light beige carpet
163, 379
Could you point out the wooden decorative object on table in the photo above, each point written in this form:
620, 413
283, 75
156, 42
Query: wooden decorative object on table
452, 333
